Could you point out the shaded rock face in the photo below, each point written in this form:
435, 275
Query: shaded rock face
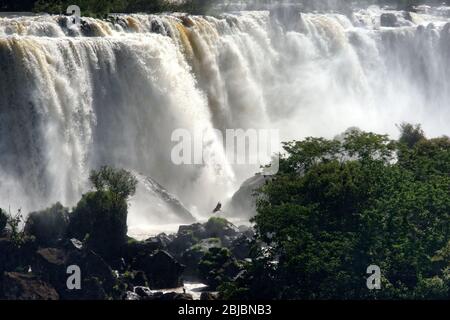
97, 277
193, 242
170, 296
13, 257
161, 269
243, 202
21, 286
48, 226
208, 296
222, 229
389, 20
240, 247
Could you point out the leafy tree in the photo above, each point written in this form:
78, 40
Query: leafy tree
411, 134
100, 217
101, 221
337, 206
119, 182
47, 226
15, 233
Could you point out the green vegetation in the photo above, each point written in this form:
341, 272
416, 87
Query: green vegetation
100, 8
16, 235
121, 183
47, 226
100, 218
218, 266
3, 221
338, 206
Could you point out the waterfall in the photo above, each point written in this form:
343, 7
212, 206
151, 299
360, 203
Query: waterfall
112, 92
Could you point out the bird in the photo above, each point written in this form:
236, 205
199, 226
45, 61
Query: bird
218, 207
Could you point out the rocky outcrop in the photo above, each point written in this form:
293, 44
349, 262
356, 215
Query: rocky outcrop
192, 256
208, 296
21, 286
161, 269
243, 202
98, 280
389, 20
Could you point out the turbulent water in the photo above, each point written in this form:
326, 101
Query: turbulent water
112, 92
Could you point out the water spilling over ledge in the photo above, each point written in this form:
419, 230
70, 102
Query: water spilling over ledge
112, 91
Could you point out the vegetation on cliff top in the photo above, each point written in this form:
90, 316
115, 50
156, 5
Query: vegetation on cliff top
339, 206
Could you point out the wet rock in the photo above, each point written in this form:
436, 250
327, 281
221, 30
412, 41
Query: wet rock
243, 202
20, 286
247, 231
171, 296
132, 296
187, 21
389, 20
140, 279
98, 280
221, 228
240, 247
161, 241
143, 292
187, 236
208, 296
161, 269
192, 256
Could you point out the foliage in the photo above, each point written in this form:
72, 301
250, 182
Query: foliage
338, 206
3, 220
121, 183
218, 266
101, 220
15, 233
411, 134
47, 226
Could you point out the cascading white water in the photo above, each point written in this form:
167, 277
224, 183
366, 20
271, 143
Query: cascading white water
113, 92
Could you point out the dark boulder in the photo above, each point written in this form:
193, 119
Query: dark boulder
192, 256
240, 247
208, 296
389, 20
139, 279
172, 296
161, 269
160, 242
21, 286
131, 296
243, 202
98, 279
143, 292
221, 228
186, 237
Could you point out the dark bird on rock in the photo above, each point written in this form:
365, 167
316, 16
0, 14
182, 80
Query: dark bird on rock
218, 207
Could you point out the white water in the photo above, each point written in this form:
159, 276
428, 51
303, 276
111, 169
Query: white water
74, 99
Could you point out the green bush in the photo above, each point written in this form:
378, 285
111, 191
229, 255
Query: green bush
338, 206
3, 221
49, 225
101, 220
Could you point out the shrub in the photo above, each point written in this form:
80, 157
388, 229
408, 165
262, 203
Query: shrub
49, 225
101, 220
3, 221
